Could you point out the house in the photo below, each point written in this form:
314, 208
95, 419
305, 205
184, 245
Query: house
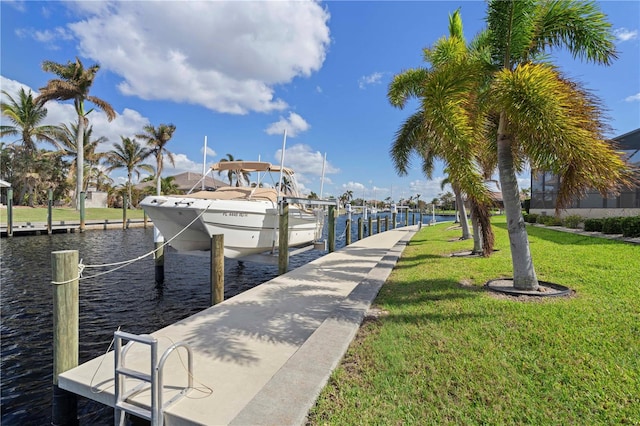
544, 189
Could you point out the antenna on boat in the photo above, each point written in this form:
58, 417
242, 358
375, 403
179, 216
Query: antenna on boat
204, 162
322, 179
284, 144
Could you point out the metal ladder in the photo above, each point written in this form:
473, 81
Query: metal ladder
122, 406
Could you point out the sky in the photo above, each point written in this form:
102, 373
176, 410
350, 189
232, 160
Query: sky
240, 73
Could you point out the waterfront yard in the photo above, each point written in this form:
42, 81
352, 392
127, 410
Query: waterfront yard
39, 214
444, 350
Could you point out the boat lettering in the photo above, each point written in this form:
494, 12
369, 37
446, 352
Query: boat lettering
238, 214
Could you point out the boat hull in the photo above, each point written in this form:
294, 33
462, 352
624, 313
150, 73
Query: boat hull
249, 227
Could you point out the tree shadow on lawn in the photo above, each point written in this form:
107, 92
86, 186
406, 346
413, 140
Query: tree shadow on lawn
424, 291
558, 237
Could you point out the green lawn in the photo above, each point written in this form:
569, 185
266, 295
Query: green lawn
39, 214
449, 352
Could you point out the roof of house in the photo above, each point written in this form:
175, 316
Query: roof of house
630, 140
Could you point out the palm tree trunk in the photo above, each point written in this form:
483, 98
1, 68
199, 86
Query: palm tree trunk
524, 275
477, 235
79, 159
463, 215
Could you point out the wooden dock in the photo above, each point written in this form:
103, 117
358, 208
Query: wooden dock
263, 356
67, 226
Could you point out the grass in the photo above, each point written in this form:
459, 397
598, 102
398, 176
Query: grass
39, 214
449, 352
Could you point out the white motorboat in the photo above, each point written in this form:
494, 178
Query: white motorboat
247, 216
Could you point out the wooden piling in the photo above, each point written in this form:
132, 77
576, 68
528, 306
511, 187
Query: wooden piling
158, 256
124, 212
49, 211
360, 229
347, 232
10, 212
283, 239
145, 219
332, 228
82, 216
406, 218
217, 269
378, 225
64, 265
421, 218
386, 223
394, 217
370, 231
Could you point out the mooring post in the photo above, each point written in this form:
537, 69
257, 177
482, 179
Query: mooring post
10, 212
347, 232
386, 223
124, 212
217, 269
370, 233
360, 229
283, 239
82, 198
146, 219
421, 218
64, 266
332, 229
49, 211
378, 225
406, 218
394, 217
158, 255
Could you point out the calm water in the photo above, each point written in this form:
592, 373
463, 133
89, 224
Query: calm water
128, 298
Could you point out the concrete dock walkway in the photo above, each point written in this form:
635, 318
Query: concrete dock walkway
263, 356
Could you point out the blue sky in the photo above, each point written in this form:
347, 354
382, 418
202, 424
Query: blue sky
240, 72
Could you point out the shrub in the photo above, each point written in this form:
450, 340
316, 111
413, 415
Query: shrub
593, 225
532, 218
612, 225
549, 220
631, 227
572, 221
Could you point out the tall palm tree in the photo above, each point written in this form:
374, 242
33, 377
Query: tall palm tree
129, 155
238, 174
74, 83
25, 116
448, 124
157, 139
554, 123
67, 138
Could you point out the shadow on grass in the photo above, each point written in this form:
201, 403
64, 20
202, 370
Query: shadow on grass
559, 237
424, 291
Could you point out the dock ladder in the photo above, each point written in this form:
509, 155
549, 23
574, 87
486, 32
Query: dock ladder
154, 379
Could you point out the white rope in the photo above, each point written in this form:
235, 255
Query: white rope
120, 265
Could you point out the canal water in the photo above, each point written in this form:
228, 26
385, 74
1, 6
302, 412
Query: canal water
128, 298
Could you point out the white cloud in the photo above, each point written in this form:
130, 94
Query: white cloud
633, 98
294, 124
305, 162
624, 34
368, 80
231, 64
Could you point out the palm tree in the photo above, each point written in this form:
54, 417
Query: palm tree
551, 121
67, 137
448, 125
238, 174
74, 82
25, 116
156, 139
459, 206
129, 155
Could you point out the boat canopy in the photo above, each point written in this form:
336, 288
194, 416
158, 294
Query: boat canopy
249, 166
